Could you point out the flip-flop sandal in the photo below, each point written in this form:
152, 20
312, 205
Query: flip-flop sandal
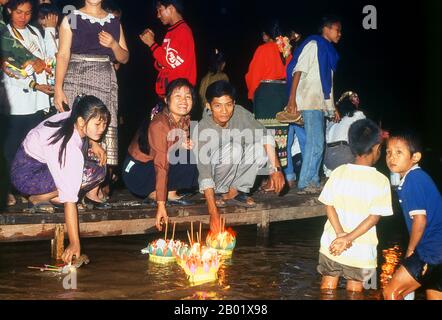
220, 202
264, 190
241, 201
81, 207
43, 207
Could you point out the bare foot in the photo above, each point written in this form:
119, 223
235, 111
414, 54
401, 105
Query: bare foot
11, 200
93, 195
220, 202
292, 184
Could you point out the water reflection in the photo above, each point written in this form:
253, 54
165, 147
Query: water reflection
392, 259
284, 269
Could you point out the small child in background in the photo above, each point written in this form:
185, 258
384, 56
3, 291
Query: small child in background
356, 196
421, 204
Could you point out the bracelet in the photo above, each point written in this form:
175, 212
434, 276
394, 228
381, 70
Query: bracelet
32, 85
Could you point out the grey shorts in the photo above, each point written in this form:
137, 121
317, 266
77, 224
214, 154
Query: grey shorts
337, 156
330, 268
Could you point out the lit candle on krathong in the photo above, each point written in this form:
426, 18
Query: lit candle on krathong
224, 242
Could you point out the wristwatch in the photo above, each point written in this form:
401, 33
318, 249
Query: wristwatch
275, 169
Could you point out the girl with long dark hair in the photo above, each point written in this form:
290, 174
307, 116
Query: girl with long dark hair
52, 164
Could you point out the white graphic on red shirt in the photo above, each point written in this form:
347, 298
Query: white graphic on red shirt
172, 57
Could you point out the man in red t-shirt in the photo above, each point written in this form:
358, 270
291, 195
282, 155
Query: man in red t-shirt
176, 57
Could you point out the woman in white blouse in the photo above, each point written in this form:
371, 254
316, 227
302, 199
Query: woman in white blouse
337, 151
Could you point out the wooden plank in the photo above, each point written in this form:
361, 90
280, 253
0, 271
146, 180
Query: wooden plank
124, 213
57, 243
183, 217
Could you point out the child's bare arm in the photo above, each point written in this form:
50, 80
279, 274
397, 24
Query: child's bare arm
417, 231
332, 216
341, 244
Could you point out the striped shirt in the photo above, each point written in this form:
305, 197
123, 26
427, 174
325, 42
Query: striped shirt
356, 192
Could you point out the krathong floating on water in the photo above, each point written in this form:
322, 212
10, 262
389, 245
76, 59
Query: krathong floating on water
183, 253
223, 242
64, 268
200, 263
164, 251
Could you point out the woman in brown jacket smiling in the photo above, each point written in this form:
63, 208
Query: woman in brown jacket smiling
149, 170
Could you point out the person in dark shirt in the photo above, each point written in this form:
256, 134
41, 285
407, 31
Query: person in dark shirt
421, 204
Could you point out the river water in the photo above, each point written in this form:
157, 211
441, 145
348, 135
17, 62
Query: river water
281, 268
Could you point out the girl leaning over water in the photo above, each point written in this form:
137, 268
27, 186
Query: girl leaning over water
52, 167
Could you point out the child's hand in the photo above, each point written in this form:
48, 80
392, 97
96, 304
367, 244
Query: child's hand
50, 21
409, 253
340, 245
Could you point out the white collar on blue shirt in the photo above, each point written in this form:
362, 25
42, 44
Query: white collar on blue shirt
416, 166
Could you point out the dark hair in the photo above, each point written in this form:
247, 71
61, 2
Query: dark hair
13, 4
272, 29
328, 21
177, 84
86, 107
346, 108
410, 137
178, 4
363, 135
143, 142
46, 8
111, 6
219, 89
216, 61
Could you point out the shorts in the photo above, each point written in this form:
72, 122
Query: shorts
428, 276
330, 268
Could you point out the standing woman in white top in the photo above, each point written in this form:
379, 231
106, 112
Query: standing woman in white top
338, 151
23, 100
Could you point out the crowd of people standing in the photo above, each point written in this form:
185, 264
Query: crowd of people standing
60, 101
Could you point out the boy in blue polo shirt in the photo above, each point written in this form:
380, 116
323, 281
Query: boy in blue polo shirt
421, 204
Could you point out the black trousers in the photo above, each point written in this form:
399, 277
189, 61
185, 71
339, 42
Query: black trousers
140, 177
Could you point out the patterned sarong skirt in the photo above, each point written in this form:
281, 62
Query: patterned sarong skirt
95, 75
31, 177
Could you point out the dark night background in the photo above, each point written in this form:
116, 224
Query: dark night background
395, 69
